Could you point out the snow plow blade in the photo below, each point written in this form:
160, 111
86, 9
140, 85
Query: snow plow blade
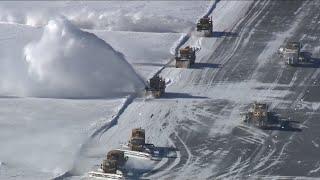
137, 154
105, 176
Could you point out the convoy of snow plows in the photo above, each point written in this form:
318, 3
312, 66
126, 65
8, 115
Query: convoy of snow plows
258, 115
113, 165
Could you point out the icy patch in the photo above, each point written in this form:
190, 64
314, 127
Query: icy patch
68, 62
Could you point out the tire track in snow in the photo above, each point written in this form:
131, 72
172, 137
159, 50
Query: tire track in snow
183, 40
238, 166
225, 57
275, 152
281, 153
163, 170
258, 151
184, 159
263, 165
234, 50
249, 23
252, 15
278, 156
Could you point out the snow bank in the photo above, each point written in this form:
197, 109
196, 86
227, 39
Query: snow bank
66, 62
110, 20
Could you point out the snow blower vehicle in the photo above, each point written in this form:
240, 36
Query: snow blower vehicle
137, 146
291, 53
205, 25
186, 57
258, 115
118, 156
107, 171
110, 167
156, 86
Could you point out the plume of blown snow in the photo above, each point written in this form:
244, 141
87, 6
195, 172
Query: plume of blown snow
119, 20
128, 21
35, 18
69, 62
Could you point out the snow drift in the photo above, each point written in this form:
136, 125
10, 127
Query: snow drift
67, 62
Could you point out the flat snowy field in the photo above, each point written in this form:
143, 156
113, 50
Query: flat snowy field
68, 68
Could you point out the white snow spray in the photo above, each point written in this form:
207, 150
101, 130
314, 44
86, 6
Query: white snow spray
118, 20
67, 62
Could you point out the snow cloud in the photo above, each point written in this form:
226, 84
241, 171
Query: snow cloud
69, 62
122, 21
66, 62
118, 20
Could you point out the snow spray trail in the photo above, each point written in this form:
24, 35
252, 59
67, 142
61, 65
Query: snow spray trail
118, 20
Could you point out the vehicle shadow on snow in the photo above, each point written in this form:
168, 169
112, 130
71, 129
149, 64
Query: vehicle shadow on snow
163, 152
134, 173
219, 34
204, 65
152, 64
276, 123
310, 62
171, 95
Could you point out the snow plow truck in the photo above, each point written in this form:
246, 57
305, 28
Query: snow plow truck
186, 57
291, 53
137, 146
205, 25
156, 86
110, 167
258, 115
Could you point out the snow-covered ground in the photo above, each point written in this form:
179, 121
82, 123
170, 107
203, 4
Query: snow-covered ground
106, 50
40, 137
43, 55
